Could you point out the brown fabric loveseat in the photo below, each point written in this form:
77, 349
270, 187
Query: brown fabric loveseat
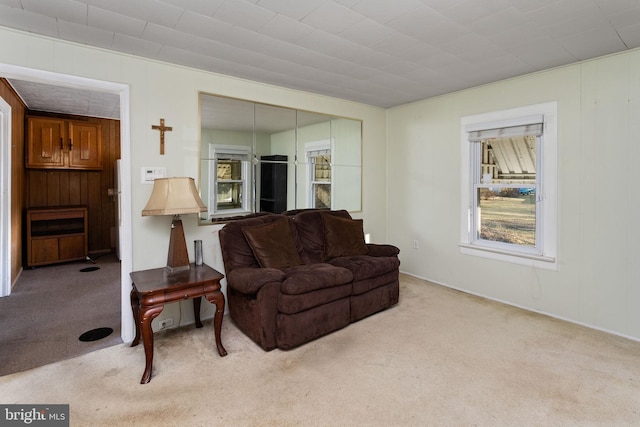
294, 277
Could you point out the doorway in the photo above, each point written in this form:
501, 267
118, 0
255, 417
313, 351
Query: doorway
124, 196
5, 198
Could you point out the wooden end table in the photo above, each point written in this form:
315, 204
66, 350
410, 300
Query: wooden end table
152, 289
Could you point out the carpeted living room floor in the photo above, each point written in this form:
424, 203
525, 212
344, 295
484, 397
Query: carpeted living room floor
438, 358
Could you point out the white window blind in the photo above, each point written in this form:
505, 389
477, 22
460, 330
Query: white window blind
227, 152
506, 132
318, 153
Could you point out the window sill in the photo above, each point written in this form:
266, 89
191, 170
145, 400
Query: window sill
539, 261
236, 216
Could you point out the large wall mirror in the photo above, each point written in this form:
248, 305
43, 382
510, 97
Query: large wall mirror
264, 158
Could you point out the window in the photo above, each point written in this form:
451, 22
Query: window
230, 172
319, 159
509, 160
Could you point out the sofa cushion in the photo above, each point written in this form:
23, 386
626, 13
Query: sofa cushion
310, 232
273, 244
291, 304
367, 285
365, 267
343, 237
236, 252
312, 277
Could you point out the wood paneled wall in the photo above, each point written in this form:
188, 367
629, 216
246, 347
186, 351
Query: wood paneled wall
18, 112
53, 187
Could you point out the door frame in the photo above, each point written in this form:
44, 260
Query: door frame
124, 227
5, 198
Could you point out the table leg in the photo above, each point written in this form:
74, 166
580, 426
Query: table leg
217, 298
197, 302
147, 314
135, 308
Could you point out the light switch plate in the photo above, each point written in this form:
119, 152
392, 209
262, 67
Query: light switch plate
150, 174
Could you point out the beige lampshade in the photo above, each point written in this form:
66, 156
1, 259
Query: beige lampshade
174, 196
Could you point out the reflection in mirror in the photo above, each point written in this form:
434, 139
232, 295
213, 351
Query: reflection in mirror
275, 132
226, 152
264, 158
314, 147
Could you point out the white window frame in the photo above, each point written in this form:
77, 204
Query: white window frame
310, 148
544, 256
225, 152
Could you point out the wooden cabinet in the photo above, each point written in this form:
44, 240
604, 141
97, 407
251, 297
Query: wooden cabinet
56, 235
54, 143
45, 142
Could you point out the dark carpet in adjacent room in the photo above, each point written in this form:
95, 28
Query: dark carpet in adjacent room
50, 307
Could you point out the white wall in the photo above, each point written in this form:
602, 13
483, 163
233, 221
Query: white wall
598, 280
159, 90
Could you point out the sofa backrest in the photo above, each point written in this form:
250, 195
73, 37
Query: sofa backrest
310, 232
307, 230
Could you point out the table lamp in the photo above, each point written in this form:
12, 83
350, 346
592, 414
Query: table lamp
175, 196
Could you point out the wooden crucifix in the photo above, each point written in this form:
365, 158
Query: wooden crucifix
162, 128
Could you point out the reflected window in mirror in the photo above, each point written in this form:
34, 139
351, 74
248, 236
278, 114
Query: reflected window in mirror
230, 192
318, 156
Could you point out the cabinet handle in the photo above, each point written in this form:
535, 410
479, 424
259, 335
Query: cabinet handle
61, 144
70, 144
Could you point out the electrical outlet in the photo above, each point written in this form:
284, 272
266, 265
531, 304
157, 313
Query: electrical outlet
416, 244
166, 323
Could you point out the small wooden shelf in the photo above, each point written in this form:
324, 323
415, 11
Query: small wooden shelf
56, 235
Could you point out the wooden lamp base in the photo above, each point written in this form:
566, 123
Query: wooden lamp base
178, 257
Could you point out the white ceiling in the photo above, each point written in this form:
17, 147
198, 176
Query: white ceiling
67, 100
378, 52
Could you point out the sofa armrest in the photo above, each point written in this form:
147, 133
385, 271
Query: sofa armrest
249, 280
382, 250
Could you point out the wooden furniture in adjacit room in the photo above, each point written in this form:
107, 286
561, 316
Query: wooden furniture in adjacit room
72, 181
56, 235
152, 289
273, 183
54, 143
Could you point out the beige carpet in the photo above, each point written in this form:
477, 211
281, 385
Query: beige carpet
438, 358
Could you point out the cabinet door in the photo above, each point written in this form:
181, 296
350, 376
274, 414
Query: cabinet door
85, 147
73, 247
43, 251
45, 142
